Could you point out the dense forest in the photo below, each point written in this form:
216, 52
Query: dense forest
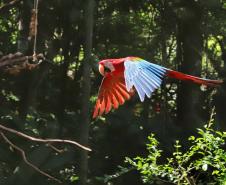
49, 52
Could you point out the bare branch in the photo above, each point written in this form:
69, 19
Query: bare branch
16, 62
44, 140
16, 58
55, 148
26, 160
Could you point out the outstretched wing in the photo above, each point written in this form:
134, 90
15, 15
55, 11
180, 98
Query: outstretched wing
143, 75
112, 93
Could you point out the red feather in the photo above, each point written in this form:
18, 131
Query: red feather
112, 93
182, 76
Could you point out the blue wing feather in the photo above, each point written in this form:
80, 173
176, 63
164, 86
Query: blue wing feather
139, 89
149, 81
143, 75
153, 78
145, 86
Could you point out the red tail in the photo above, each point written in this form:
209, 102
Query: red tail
182, 76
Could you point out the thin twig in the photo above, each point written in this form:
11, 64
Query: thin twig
44, 140
55, 148
211, 120
26, 160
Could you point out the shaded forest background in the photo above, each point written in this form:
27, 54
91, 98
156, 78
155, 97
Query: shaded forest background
56, 98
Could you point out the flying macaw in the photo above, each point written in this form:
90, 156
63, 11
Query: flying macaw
122, 76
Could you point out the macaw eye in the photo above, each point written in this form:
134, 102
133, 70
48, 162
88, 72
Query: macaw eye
106, 69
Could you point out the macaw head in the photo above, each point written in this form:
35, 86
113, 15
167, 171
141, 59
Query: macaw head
106, 66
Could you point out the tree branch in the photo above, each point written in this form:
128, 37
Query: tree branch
26, 160
44, 140
16, 62
17, 58
55, 148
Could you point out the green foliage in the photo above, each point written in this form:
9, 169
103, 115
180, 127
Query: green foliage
109, 178
46, 102
203, 163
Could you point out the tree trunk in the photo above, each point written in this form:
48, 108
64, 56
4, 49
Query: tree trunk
190, 44
220, 97
24, 20
86, 86
24, 46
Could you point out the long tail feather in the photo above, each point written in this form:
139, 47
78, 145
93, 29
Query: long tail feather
182, 76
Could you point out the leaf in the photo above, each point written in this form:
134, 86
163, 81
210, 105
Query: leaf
74, 178
191, 138
205, 167
215, 172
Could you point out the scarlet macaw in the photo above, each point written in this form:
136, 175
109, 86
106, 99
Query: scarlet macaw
121, 76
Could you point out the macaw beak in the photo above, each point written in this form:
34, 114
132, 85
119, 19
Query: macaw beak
101, 69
